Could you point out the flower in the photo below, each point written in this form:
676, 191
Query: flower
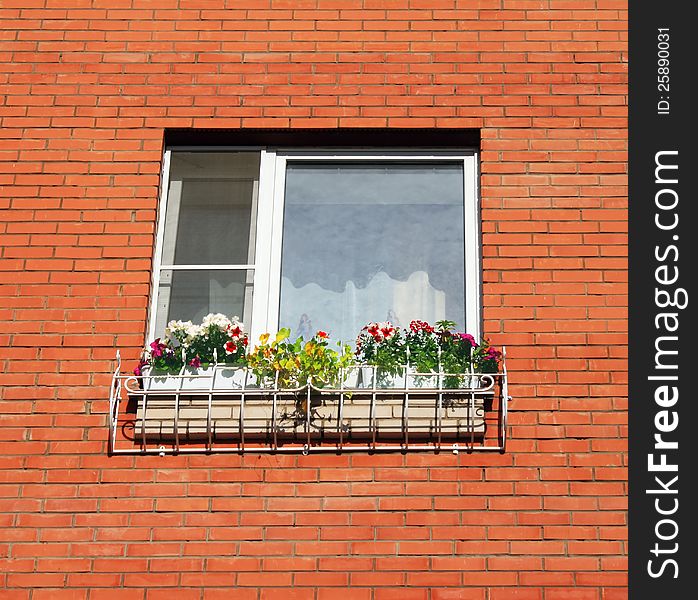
217, 339
422, 344
380, 331
194, 331
387, 330
279, 361
235, 330
466, 337
178, 329
426, 348
216, 320
138, 371
157, 348
381, 344
417, 326
492, 354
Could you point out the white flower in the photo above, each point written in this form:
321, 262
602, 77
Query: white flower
193, 331
216, 319
178, 329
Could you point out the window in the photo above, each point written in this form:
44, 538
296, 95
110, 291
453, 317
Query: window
205, 253
317, 240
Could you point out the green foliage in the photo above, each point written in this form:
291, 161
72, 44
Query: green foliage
423, 350
298, 363
426, 349
382, 345
294, 364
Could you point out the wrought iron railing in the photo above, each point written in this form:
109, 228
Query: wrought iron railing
225, 409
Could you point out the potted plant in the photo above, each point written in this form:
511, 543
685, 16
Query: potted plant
211, 354
308, 387
430, 356
423, 354
462, 358
280, 364
381, 346
293, 365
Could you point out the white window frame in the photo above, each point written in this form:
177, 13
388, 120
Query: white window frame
269, 227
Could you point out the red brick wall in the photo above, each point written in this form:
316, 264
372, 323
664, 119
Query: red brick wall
88, 88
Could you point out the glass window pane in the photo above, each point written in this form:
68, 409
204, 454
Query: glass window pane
371, 242
210, 208
190, 295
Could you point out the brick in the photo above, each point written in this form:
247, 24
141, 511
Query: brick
272, 593
400, 593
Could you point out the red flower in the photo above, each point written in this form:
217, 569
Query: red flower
321, 334
417, 326
195, 362
373, 329
230, 348
380, 331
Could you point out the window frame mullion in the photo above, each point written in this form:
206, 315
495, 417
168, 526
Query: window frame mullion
159, 242
472, 250
267, 215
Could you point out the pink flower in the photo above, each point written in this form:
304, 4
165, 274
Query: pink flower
195, 362
492, 354
468, 338
230, 348
157, 348
138, 371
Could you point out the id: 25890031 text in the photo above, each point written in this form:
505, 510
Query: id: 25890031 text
663, 104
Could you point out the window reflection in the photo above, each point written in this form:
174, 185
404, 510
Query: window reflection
371, 241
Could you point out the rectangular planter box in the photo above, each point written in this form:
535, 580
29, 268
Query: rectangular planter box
362, 378
219, 377
459, 416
